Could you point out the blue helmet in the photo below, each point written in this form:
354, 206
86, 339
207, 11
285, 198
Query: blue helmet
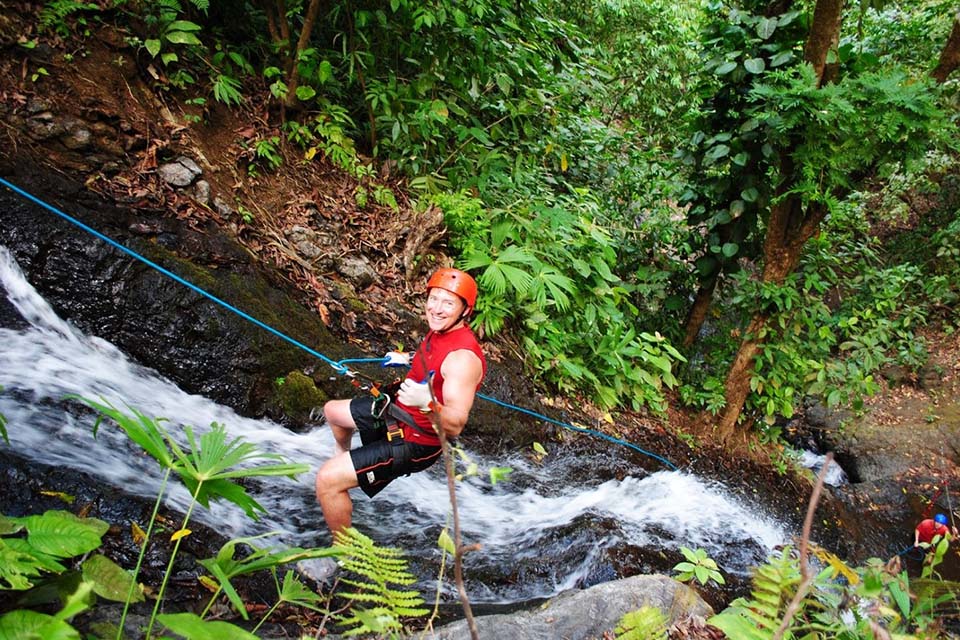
940, 518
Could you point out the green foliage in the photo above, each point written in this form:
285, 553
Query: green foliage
550, 270
227, 565
698, 566
50, 539
193, 627
34, 552
646, 623
64, 17
899, 34
774, 583
885, 601
729, 152
210, 465
377, 570
22, 623
208, 468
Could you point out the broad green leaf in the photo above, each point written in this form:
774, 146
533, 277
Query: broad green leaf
193, 627
16, 568
324, 71
77, 602
43, 560
30, 625
766, 27
62, 534
726, 68
182, 37
716, 152
754, 65
730, 249
305, 93
109, 579
183, 25
734, 624
152, 46
445, 542
9, 525
781, 58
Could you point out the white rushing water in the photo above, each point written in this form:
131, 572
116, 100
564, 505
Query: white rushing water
540, 532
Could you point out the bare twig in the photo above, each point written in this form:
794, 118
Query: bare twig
459, 549
806, 576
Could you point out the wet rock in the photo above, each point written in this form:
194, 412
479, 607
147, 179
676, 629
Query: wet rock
201, 192
930, 377
181, 172
223, 208
317, 247
357, 271
591, 613
198, 344
44, 125
896, 375
76, 136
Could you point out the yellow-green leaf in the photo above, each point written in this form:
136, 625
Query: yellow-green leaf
182, 533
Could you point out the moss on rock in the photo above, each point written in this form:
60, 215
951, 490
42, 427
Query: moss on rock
298, 394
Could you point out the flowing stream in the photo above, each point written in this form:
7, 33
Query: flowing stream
542, 531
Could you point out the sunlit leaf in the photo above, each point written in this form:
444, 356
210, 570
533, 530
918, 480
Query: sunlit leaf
109, 580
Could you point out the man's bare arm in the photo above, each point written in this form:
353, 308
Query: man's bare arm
462, 371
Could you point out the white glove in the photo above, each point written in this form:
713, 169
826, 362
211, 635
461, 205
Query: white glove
396, 359
415, 394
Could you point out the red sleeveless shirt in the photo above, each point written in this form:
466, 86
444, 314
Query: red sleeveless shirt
434, 349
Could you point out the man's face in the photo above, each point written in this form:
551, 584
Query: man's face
443, 308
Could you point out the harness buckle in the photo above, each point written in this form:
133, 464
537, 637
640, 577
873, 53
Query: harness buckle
394, 432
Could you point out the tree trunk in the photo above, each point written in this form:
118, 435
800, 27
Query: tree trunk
293, 72
790, 227
698, 312
950, 56
824, 34
737, 385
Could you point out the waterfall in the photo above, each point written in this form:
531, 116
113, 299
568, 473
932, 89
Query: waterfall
541, 532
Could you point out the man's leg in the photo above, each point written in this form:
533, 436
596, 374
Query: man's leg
338, 416
334, 480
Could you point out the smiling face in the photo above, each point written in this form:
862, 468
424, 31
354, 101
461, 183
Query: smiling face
443, 309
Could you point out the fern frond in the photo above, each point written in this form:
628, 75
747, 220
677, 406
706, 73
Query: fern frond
646, 623
378, 570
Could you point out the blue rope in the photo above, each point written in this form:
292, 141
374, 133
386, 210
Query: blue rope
578, 429
338, 366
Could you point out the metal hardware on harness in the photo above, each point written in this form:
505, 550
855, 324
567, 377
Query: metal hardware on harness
394, 432
380, 403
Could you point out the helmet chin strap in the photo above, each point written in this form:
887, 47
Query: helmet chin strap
463, 314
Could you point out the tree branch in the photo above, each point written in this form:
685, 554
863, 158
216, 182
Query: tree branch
806, 576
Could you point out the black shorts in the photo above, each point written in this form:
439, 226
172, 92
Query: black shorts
379, 461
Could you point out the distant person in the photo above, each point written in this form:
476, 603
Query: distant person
930, 528
397, 435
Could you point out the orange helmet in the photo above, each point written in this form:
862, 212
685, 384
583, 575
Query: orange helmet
457, 282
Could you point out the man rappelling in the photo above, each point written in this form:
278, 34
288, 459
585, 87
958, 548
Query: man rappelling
931, 529
398, 435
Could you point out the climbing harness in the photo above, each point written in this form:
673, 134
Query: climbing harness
339, 366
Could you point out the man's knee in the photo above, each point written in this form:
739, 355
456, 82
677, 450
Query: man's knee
337, 412
336, 475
